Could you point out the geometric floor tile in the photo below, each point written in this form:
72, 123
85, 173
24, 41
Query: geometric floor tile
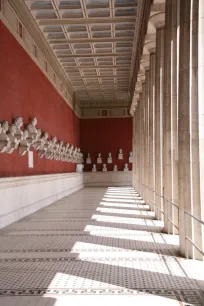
97, 241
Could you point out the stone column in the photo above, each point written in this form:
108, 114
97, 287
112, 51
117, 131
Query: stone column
167, 115
151, 173
135, 159
133, 149
184, 173
196, 118
200, 210
143, 140
138, 144
159, 100
174, 115
146, 138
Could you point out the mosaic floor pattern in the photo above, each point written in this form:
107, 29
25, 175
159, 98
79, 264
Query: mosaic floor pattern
98, 245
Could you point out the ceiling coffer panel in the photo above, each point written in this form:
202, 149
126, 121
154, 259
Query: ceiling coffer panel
93, 41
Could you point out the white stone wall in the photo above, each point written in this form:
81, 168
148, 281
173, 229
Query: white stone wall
21, 196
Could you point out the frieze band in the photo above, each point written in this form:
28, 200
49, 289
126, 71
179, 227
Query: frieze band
12, 137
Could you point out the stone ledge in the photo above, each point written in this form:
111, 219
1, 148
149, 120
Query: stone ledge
108, 178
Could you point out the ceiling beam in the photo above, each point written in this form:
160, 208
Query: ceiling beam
78, 7
89, 40
95, 67
119, 77
73, 21
93, 55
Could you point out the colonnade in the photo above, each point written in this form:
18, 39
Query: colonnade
168, 123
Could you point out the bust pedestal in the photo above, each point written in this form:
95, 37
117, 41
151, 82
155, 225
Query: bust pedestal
104, 168
94, 168
126, 168
99, 159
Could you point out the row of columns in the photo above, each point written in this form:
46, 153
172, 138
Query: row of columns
168, 124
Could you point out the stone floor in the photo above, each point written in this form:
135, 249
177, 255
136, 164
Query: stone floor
97, 245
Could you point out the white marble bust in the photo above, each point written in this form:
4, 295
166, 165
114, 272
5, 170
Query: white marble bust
4, 139
109, 160
130, 157
44, 145
120, 154
104, 168
32, 130
126, 167
115, 168
38, 141
99, 159
94, 168
13, 142
24, 146
88, 159
18, 122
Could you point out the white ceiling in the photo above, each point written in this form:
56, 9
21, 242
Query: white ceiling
93, 41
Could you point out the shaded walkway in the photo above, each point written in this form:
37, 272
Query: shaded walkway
94, 242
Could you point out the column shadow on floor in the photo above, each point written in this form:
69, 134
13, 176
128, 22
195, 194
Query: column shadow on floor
99, 263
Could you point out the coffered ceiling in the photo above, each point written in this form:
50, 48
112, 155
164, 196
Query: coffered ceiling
94, 42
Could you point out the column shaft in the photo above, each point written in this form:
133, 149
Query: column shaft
152, 129
184, 173
134, 150
201, 108
174, 116
143, 140
167, 115
195, 126
141, 120
159, 100
147, 74
139, 147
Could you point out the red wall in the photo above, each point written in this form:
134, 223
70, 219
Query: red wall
106, 135
26, 92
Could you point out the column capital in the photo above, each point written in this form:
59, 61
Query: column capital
157, 20
138, 87
141, 78
145, 65
150, 46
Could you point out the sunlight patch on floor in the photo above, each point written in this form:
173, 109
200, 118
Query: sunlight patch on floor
107, 195
118, 200
125, 211
117, 219
139, 206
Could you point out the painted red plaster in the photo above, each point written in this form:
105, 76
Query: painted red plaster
26, 92
106, 135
